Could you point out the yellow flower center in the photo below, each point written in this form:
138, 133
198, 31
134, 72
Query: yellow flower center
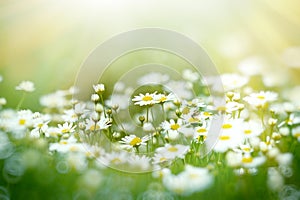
163, 99
207, 114
224, 137
73, 148
147, 98
247, 149
201, 130
65, 130
22, 121
172, 149
116, 160
227, 126
185, 110
63, 142
261, 97
94, 127
193, 176
201, 137
162, 159
297, 135
135, 141
248, 131
175, 127
247, 159
191, 120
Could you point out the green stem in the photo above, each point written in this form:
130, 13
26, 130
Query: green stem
147, 115
21, 101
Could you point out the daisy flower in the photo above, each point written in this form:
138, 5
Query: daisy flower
172, 151
230, 136
102, 124
162, 98
132, 141
251, 128
25, 118
145, 99
192, 179
153, 78
236, 159
200, 134
296, 133
260, 99
139, 162
233, 81
67, 145
189, 75
26, 86
99, 88
114, 158
70, 116
66, 128
161, 159
2, 101
172, 128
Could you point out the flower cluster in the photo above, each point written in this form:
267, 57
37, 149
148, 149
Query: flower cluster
170, 132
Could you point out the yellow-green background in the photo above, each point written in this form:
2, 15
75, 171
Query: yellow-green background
46, 41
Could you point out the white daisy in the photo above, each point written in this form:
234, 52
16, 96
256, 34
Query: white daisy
2, 101
102, 124
162, 98
296, 133
99, 88
192, 179
230, 136
145, 99
54, 100
70, 116
172, 151
114, 158
172, 128
25, 118
233, 81
66, 128
26, 86
139, 162
252, 128
153, 78
261, 99
132, 141
190, 75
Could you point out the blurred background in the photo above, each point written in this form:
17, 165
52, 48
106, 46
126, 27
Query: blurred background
47, 41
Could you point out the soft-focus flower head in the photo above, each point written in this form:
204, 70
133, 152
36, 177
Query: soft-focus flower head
26, 86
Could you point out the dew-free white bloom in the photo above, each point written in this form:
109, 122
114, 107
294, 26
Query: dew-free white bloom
173, 151
261, 98
132, 141
162, 98
172, 128
145, 99
102, 124
66, 128
95, 97
233, 81
230, 136
296, 133
153, 78
2, 101
26, 86
99, 88
192, 179
251, 128
190, 75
